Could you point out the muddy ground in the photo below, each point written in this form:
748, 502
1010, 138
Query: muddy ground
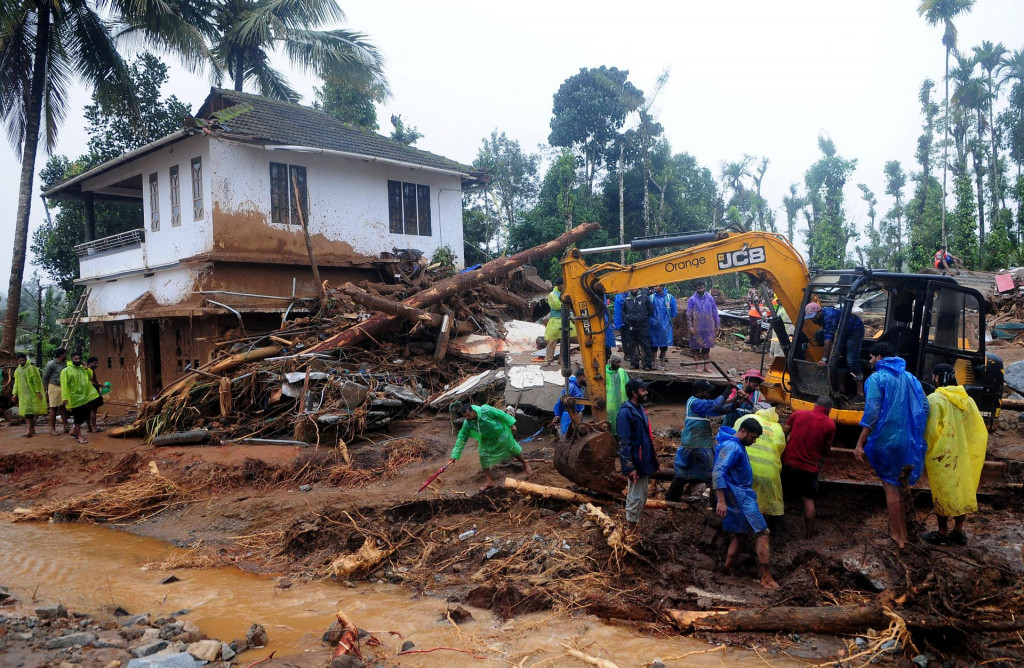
243, 505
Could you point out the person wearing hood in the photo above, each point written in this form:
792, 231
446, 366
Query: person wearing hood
957, 440
637, 310
665, 310
737, 503
892, 434
553, 329
615, 381
563, 409
28, 393
695, 457
750, 386
703, 324
766, 462
78, 393
494, 432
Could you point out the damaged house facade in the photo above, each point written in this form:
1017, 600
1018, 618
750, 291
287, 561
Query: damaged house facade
220, 250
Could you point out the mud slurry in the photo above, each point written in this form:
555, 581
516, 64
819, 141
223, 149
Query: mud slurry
516, 555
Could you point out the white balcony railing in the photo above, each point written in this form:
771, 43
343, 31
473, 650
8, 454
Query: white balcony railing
116, 242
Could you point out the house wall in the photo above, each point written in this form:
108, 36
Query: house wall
348, 207
169, 286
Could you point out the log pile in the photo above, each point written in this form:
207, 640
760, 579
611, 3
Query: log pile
373, 353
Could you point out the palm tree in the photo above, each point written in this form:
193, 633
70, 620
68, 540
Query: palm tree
44, 46
990, 57
935, 12
243, 33
1012, 69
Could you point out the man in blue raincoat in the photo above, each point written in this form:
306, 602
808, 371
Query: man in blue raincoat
733, 480
661, 323
563, 410
892, 438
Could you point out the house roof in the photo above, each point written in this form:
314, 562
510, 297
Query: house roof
255, 118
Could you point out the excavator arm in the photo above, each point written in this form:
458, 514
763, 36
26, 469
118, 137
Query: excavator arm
769, 257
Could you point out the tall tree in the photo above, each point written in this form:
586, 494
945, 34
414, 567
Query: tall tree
895, 182
351, 97
793, 203
828, 231
875, 253
936, 12
514, 179
969, 103
990, 57
589, 108
44, 46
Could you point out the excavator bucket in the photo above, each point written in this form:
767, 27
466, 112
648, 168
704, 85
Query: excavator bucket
590, 462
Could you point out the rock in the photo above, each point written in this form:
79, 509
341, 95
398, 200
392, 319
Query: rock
205, 650
133, 620
657, 663
256, 636
189, 627
168, 631
169, 579
113, 664
460, 615
24, 636
345, 661
180, 660
921, 661
305, 488
111, 640
149, 648
1013, 376
51, 612
188, 637
408, 645
72, 640
333, 633
226, 653
5, 593
173, 648
868, 566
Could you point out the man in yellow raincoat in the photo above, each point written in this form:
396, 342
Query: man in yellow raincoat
553, 330
766, 462
615, 388
957, 440
78, 393
492, 429
28, 393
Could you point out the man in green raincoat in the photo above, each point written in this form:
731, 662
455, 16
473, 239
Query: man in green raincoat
615, 388
78, 393
28, 393
496, 442
553, 330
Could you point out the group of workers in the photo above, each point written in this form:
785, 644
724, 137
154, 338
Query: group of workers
60, 388
752, 460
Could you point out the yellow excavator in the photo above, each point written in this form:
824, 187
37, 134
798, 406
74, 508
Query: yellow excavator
928, 318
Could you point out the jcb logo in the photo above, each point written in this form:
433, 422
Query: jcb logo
741, 258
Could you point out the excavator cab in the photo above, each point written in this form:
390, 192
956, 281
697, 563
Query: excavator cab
927, 320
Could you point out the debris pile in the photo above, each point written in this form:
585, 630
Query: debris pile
312, 382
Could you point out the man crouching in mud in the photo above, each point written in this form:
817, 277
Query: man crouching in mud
494, 431
733, 480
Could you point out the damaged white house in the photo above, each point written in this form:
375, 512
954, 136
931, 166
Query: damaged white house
220, 249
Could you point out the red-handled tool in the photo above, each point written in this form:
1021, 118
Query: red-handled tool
434, 477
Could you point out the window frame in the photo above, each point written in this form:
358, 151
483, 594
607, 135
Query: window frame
174, 176
409, 209
282, 196
196, 170
154, 202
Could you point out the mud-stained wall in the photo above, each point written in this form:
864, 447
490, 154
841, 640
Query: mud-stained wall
276, 280
116, 344
348, 206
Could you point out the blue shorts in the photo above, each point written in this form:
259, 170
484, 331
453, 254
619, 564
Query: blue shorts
695, 464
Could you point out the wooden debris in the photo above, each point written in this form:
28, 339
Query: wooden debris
365, 559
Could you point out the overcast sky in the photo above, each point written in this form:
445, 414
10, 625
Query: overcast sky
747, 76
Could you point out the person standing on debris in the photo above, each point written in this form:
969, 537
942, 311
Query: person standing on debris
943, 260
809, 438
28, 393
765, 456
850, 341
892, 434
695, 457
750, 386
733, 480
91, 365
636, 333
702, 320
553, 330
664, 312
616, 380
754, 312
564, 408
957, 440
636, 450
78, 393
51, 381
493, 430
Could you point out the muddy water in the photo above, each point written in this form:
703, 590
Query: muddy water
89, 568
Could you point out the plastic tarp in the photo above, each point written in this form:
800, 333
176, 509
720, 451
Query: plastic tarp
896, 411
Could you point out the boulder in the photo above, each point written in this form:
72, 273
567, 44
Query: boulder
205, 650
5, 593
51, 612
256, 636
346, 661
180, 660
71, 640
149, 648
226, 653
1013, 376
133, 620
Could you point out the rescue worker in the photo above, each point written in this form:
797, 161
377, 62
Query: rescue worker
563, 409
616, 379
892, 434
695, 457
766, 463
28, 393
733, 480
665, 311
553, 329
750, 386
91, 366
957, 440
78, 394
51, 381
703, 323
636, 450
809, 436
494, 432
850, 341
636, 334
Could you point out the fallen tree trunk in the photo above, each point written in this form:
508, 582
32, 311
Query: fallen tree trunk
503, 296
391, 307
560, 494
194, 437
452, 286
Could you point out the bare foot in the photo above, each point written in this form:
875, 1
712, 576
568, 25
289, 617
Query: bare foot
527, 471
486, 485
768, 582
82, 441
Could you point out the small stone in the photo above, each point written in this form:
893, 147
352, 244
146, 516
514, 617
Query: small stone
24, 636
921, 661
491, 553
149, 648
113, 664
205, 650
459, 615
51, 612
169, 579
72, 640
408, 645
305, 488
345, 661
256, 636
133, 620
467, 534
657, 663
5, 593
180, 660
189, 627
860, 643
226, 653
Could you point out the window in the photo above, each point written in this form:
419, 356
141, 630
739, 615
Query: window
175, 198
409, 208
285, 208
197, 188
154, 202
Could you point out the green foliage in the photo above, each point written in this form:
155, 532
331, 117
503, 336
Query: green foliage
828, 230
962, 223
476, 233
893, 222
351, 97
924, 224
406, 134
39, 333
513, 188
589, 109
444, 256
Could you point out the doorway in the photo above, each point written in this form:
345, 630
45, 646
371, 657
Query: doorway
153, 380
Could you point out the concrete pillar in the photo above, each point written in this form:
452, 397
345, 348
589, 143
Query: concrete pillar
90, 216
